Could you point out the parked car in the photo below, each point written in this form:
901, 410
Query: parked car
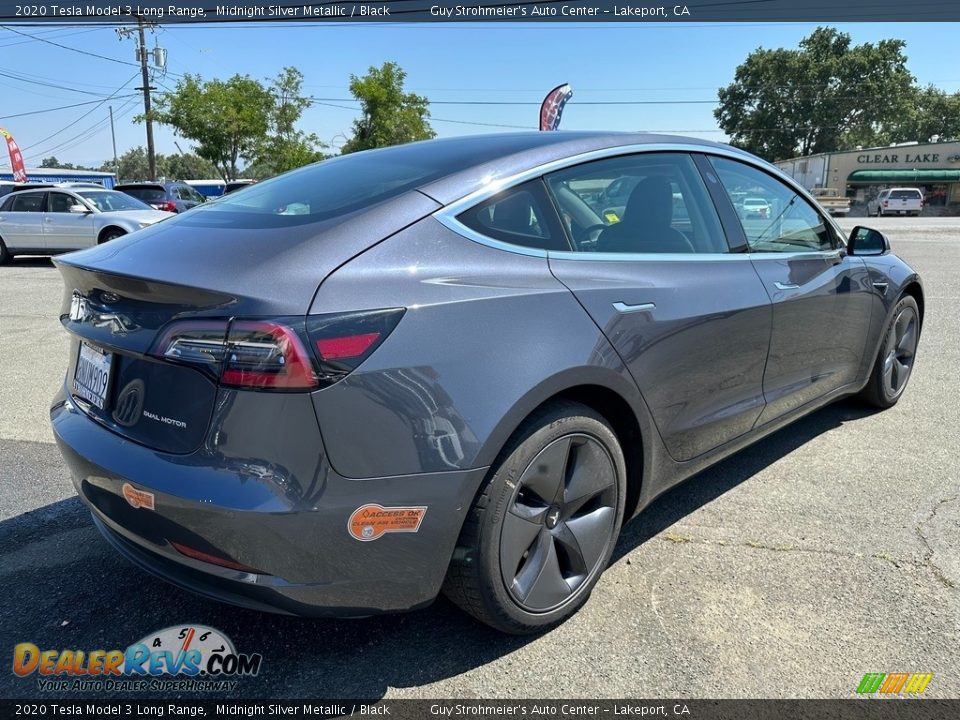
753, 207
234, 185
832, 200
896, 201
174, 196
424, 380
44, 221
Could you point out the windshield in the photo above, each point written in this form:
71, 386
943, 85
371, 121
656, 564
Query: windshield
109, 201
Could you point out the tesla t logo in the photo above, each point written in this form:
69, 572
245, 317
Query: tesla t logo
137, 498
129, 404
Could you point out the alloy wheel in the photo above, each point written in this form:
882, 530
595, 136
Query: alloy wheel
899, 350
560, 522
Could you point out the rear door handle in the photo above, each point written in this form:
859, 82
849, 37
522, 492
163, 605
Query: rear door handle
622, 307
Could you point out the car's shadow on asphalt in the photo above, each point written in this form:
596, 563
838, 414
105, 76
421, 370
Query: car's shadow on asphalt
62, 586
22, 261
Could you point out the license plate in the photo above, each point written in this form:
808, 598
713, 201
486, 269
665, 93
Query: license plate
91, 381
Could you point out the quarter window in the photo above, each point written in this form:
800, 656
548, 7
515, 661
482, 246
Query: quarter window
773, 216
644, 203
520, 216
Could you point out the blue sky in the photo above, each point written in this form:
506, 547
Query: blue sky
446, 62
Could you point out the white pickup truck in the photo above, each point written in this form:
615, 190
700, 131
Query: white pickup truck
832, 200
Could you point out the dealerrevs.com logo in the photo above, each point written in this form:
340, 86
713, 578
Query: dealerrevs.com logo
179, 658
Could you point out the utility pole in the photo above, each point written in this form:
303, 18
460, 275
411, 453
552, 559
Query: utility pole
113, 136
159, 61
145, 74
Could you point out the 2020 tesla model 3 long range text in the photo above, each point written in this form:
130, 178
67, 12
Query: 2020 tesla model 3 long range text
458, 364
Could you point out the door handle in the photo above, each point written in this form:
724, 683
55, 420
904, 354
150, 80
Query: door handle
786, 286
622, 307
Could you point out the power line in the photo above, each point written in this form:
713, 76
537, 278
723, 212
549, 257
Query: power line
86, 114
62, 107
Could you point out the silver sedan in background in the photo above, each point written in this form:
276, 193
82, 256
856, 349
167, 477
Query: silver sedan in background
50, 220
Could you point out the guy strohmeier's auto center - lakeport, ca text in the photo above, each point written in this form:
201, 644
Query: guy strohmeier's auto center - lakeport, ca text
346, 11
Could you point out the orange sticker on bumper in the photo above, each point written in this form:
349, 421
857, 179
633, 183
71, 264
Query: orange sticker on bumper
137, 498
371, 521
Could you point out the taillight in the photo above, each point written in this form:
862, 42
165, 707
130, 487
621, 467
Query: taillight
283, 354
885, 203
341, 341
268, 355
166, 205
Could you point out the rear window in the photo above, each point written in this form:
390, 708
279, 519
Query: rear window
146, 194
348, 183
905, 194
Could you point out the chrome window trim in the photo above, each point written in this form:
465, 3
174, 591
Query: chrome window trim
447, 215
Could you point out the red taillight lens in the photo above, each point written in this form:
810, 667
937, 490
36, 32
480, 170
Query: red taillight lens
885, 203
266, 354
344, 340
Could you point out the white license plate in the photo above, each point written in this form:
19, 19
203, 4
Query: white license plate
91, 381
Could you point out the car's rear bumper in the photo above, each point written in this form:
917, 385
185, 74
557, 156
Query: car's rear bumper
283, 536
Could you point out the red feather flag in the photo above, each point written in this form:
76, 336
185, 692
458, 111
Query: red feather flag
552, 107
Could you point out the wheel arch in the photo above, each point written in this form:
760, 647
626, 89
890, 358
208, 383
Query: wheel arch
110, 228
608, 393
914, 290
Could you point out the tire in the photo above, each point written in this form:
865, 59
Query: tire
5, 255
544, 524
110, 234
894, 363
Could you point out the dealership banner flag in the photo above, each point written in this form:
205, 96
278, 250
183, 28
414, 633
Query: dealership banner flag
16, 158
552, 107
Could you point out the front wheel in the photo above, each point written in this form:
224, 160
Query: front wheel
545, 523
111, 234
894, 363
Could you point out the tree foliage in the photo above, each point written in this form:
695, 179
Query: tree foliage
390, 116
933, 115
227, 119
52, 162
827, 95
133, 165
286, 147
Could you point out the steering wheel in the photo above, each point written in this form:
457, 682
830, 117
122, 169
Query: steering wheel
590, 233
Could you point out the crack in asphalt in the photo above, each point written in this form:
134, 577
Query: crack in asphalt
928, 562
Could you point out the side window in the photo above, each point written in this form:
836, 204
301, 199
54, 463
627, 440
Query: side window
519, 216
644, 203
27, 202
60, 202
774, 217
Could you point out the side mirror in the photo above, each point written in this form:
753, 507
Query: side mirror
81, 209
867, 241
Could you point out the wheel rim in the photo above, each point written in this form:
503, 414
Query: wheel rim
899, 350
560, 522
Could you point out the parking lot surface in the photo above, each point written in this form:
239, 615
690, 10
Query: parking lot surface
826, 551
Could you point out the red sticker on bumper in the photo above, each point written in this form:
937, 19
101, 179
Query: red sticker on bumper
371, 521
137, 498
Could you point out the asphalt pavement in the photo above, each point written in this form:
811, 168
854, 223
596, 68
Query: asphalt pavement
826, 551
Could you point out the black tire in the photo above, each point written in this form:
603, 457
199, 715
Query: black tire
5, 255
894, 362
110, 234
568, 537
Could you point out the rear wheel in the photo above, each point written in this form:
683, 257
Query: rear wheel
110, 234
894, 362
544, 525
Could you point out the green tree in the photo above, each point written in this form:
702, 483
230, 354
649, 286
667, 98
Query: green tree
186, 166
390, 116
824, 96
933, 114
52, 162
132, 165
227, 119
286, 147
